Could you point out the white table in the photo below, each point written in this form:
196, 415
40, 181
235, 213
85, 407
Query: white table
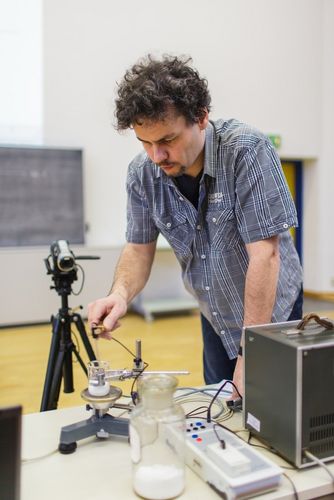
101, 469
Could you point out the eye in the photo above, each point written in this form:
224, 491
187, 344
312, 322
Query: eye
168, 141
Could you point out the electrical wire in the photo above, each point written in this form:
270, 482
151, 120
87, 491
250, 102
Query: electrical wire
221, 441
133, 393
34, 459
217, 394
196, 412
124, 346
205, 397
270, 449
319, 462
295, 492
82, 282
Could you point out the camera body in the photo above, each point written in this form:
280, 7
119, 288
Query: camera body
61, 263
63, 258
62, 266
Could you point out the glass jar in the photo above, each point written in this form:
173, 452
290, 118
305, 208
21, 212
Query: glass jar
157, 438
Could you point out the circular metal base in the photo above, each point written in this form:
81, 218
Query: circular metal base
102, 402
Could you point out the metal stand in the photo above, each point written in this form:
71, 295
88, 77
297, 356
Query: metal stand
101, 423
60, 357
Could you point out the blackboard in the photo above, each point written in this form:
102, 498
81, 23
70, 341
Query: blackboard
41, 196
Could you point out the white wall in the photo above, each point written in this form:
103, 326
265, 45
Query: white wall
21, 71
268, 63
261, 60
318, 244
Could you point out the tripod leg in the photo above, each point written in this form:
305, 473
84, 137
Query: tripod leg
81, 329
51, 362
56, 382
60, 357
67, 346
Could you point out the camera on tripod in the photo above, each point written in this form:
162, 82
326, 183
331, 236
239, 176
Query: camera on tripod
61, 264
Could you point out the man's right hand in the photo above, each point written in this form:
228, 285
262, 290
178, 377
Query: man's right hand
107, 311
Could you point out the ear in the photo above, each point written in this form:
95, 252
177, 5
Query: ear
204, 120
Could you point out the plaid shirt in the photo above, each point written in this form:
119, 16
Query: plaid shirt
243, 197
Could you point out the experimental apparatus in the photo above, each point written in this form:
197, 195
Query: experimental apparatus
100, 397
235, 470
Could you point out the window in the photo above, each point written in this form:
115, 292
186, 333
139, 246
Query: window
21, 94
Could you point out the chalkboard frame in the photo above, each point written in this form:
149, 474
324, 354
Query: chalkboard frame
41, 195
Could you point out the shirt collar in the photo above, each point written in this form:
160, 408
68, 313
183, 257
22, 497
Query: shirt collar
210, 152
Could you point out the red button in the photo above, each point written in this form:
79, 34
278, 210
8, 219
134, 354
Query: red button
199, 440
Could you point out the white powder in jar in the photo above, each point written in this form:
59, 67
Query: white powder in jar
158, 482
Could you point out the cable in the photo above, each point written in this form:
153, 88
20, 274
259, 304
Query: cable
124, 346
295, 492
33, 459
83, 281
196, 412
319, 462
205, 397
216, 395
222, 441
134, 394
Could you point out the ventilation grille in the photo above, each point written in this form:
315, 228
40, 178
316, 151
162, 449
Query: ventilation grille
321, 437
326, 448
319, 434
322, 420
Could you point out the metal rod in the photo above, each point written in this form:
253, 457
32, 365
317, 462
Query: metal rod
122, 374
138, 349
167, 372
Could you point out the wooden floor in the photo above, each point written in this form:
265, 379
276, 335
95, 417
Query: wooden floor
168, 343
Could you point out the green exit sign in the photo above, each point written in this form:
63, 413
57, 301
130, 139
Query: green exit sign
276, 140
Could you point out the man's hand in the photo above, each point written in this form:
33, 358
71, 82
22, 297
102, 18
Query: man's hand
238, 378
107, 310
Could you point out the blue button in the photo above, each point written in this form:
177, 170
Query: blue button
194, 436
199, 423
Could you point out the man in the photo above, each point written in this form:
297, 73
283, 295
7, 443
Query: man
216, 192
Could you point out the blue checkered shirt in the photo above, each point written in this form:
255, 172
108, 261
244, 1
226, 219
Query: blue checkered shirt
243, 197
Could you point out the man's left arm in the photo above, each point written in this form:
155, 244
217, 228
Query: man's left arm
260, 290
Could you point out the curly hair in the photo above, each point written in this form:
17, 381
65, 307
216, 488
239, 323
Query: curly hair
151, 87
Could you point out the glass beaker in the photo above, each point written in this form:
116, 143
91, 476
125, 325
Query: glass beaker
97, 384
157, 438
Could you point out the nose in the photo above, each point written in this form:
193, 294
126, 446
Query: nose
159, 154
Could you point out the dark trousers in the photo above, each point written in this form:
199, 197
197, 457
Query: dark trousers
216, 363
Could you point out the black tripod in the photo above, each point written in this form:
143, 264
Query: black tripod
60, 356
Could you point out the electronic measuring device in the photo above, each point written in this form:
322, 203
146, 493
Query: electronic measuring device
226, 462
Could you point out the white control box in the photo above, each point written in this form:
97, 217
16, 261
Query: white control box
227, 463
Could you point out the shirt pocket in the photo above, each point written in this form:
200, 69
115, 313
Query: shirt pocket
223, 233
177, 231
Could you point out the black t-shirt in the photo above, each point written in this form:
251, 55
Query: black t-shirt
189, 186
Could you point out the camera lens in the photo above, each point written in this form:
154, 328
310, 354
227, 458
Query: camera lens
65, 263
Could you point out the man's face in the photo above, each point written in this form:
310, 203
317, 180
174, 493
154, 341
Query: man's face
176, 147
